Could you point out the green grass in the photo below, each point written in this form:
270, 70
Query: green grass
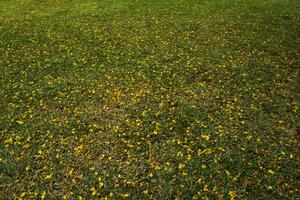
145, 99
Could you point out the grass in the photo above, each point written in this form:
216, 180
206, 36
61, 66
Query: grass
145, 99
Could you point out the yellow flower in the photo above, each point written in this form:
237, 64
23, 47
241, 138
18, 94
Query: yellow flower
78, 149
181, 166
205, 137
145, 192
124, 195
48, 176
43, 195
20, 122
94, 191
271, 171
231, 195
270, 187
23, 195
199, 180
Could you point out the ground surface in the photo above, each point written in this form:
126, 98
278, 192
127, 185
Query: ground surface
149, 99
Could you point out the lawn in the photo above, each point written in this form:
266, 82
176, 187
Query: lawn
140, 99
